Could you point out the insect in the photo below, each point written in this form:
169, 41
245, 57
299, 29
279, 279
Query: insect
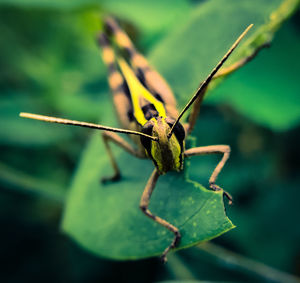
146, 108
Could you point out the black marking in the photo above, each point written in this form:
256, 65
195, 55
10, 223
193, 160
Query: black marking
111, 26
111, 67
144, 69
140, 73
130, 115
179, 133
158, 97
103, 40
131, 52
149, 111
180, 156
126, 90
147, 129
147, 143
123, 87
153, 217
178, 130
122, 53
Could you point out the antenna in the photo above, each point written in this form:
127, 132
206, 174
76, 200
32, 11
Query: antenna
83, 124
204, 84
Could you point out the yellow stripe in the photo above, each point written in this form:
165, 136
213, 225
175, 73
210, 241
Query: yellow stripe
137, 90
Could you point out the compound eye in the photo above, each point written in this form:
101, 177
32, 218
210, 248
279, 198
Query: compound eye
179, 131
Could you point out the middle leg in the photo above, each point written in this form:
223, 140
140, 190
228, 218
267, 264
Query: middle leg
113, 137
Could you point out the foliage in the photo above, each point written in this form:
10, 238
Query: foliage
106, 218
50, 64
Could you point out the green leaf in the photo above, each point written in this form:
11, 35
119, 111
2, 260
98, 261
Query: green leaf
151, 16
106, 219
188, 54
152, 19
267, 90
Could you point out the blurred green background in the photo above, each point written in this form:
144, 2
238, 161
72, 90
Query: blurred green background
50, 64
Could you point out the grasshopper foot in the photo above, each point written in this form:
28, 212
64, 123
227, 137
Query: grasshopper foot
173, 245
215, 187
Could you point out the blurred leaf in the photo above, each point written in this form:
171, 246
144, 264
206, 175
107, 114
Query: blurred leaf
48, 4
28, 184
189, 53
259, 271
266, 94
178, 268
106, 219
150, 16
18, 131
151, 19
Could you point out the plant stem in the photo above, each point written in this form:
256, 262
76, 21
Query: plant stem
24, 183
235, 261
178, 268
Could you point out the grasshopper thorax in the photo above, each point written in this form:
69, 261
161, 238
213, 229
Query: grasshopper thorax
166, 152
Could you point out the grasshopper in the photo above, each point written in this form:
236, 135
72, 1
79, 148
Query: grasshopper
146, 108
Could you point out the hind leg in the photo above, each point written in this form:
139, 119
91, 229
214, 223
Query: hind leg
118, 86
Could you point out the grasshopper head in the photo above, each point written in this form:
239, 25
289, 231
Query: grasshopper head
166, 152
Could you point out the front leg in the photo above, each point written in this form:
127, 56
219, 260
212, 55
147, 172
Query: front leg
110, 136
144, 207
213, 149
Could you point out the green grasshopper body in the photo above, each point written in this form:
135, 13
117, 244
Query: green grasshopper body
146, 109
